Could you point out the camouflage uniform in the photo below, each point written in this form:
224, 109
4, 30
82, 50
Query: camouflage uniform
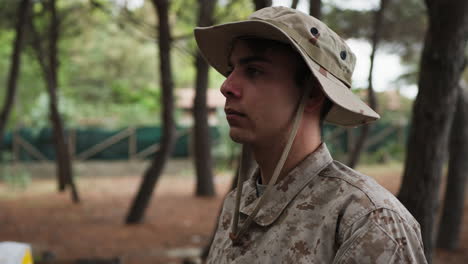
321, 212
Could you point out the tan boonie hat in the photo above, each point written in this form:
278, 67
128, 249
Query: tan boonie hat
327, 55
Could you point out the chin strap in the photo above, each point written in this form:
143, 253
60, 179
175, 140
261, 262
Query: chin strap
235, 231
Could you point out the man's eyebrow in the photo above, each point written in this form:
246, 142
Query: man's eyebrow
254, 58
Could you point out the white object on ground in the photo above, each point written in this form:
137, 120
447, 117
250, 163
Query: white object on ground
15, 253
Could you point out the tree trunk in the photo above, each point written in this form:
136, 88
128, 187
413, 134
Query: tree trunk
64, 166
451, 222
14, 67
259, 4
294, 3
440, 69
202, 147
355, 154
315, 8
48, 62
152, 174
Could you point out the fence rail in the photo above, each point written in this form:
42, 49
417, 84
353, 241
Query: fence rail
134, 149
21, 144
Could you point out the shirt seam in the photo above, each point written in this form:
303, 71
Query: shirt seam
398, 246
345, 255
365, 190
403, 221
356, 217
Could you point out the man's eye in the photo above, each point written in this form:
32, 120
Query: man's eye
252, 71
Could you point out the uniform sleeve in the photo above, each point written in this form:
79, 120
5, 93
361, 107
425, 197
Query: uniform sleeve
381, 236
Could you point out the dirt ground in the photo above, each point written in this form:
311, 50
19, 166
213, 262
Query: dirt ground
176, 224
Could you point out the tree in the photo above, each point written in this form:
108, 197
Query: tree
202, 147
22, 14
315, 8
440, 70
152, 173
451, 221
48, 60
259, 4
377, 28
294, 3
405, 24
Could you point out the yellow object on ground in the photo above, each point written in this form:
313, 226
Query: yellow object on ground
15, 253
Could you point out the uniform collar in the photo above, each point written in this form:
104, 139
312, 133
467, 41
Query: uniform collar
286, 189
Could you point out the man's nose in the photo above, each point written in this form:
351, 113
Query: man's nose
231, 87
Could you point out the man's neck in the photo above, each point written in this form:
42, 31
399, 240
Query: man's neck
267, 157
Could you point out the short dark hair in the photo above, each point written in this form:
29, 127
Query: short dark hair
302, 74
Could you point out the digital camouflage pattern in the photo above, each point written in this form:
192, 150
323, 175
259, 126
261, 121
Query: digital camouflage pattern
321, 212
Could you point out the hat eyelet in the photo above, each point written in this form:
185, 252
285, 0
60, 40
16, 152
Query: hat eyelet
343, 55
314, 31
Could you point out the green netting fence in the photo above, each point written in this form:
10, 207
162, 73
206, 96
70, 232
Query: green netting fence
141, 142
97, 143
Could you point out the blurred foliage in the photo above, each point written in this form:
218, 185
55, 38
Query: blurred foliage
404, 26
108, 74
15, 177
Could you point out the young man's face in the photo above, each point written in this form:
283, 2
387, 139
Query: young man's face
261, 95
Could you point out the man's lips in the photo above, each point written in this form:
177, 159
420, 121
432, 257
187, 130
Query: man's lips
234, 117
232, 112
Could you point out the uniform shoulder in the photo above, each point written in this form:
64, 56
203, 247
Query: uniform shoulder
361, 194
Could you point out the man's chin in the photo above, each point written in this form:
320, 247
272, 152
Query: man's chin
238, 137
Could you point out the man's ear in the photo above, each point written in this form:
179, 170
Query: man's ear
316, 97
314, 102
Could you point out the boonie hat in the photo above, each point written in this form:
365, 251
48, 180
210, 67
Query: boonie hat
327, 55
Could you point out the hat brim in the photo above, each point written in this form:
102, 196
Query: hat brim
215, 43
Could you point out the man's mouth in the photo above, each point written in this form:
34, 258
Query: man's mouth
232, 112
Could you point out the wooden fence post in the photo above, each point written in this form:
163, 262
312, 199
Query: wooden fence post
132, 143
72, 143
15, 156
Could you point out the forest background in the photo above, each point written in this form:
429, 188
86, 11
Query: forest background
109, 71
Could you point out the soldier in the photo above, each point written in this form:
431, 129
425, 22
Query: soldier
287, 73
